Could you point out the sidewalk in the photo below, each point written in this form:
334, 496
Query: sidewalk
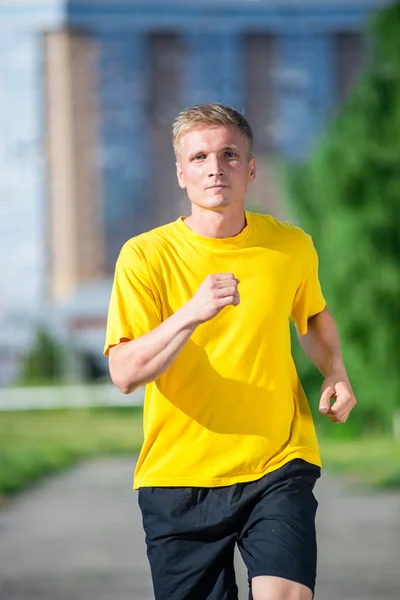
78, 536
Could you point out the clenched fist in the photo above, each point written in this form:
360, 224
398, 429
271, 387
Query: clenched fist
216, 292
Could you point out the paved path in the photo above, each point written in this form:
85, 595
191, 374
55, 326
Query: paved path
78, 536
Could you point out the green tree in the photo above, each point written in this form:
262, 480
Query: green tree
44, 363
348, 198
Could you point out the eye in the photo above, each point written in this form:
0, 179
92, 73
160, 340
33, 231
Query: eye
199, 157
230, 154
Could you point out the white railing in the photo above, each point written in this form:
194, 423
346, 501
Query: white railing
71, 396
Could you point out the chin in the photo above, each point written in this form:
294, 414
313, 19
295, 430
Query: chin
215, 204
215, 201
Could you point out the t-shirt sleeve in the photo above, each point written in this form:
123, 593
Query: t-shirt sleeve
309, 300
133, 309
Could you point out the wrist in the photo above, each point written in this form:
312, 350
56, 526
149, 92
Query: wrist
187, 317
338, 366
336, 371
332, 367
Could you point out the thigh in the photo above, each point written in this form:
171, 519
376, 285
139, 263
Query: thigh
279, 537
191, 557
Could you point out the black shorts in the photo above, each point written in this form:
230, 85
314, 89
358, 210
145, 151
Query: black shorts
191, 533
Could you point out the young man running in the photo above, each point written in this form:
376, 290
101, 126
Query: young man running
200, 312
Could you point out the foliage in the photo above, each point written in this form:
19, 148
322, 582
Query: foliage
348, 198
44, 363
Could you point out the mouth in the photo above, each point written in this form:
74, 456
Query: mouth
218, 186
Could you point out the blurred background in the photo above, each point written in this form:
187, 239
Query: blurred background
88, 93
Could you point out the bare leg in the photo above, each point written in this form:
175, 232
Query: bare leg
277, 588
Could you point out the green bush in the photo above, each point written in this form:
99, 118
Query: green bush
348, 198
44, 363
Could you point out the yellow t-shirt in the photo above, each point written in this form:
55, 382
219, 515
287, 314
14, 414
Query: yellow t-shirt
230, 408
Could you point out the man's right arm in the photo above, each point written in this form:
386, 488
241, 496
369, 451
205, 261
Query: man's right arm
146, 358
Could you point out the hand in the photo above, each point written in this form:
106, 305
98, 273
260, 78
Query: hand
216, 292
337, 386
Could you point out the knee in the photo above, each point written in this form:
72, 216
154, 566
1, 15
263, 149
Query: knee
288, 595
275, 588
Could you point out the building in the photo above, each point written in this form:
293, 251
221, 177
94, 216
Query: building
88, 92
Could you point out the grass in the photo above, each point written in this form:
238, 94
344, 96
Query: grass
37, 443
374, 461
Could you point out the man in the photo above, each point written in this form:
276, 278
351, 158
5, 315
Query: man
200, 313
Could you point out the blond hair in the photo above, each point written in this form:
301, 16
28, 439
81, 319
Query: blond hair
203, 115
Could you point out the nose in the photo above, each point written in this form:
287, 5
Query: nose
215, 167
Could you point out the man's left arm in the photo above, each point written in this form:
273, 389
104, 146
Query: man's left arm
321, 344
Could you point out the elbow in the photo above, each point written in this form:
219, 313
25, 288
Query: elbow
128, 389
124, 385
127, 376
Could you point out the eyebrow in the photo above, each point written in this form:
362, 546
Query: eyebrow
232, 147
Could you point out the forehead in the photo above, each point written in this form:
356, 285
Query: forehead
212, 138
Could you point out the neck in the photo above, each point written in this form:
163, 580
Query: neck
213, 224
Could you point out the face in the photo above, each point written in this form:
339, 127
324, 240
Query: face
214, 167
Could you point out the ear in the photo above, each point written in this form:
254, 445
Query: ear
179, 174
252, 170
